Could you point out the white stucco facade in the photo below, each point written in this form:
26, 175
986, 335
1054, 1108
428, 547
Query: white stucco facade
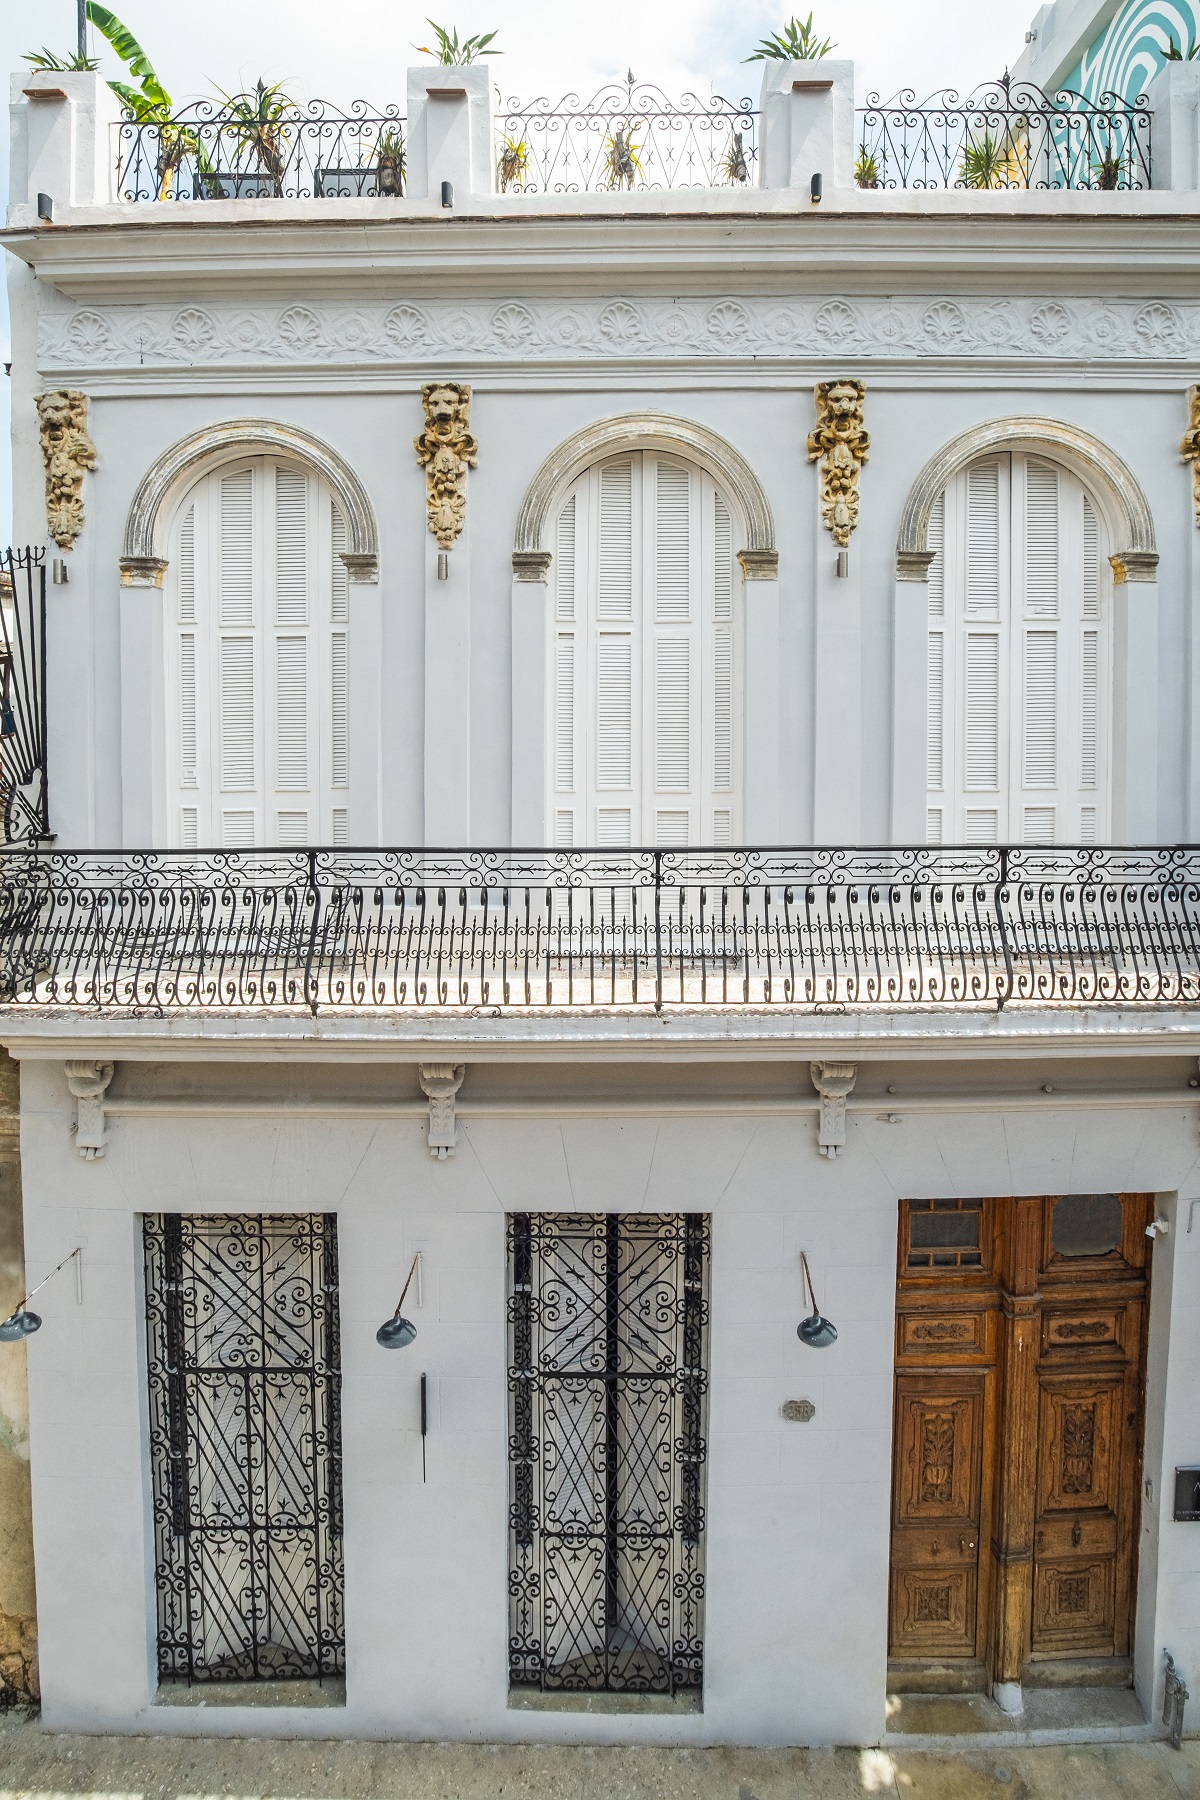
1063, 324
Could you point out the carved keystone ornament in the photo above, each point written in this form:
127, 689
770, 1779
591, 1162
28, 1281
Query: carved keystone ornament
840, 444
67, 451
446, 450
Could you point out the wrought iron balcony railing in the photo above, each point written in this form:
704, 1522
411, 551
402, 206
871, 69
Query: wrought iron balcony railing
167, 932
24, 799
1007, 134
628, 135
281, 152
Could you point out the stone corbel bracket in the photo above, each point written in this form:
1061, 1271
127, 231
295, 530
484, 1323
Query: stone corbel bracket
1190, 447
67, 452
440, 1083
834, 1082
446, 450
840, 444
88, 1082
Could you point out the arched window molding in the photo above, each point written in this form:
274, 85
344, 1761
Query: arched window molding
143, 560
1129, 526
759, 557
1111, 481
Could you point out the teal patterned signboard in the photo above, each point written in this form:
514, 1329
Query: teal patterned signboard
1128, 54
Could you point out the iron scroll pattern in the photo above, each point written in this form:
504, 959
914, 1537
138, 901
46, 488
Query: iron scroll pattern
1006, 134
608, 1387
312, 151
24, 794
177, 932
244, 1370
629, 134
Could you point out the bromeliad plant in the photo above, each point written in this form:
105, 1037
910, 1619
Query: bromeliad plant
621, 159
389, 161
991, 162
453, 53
733, 163
257, 122
514, 159
797, 42
866, 168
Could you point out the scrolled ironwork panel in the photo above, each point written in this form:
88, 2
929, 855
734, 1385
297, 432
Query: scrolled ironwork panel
608, 1385
168, 932
244, 1371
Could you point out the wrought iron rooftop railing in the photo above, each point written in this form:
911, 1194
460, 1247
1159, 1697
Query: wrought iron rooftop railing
628, 135
24, 797
167, 932
211, 151
1007, 134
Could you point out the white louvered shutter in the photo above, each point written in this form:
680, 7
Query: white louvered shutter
644, 717
1018, 659
258, 664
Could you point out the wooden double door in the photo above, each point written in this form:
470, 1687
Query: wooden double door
1019, 1402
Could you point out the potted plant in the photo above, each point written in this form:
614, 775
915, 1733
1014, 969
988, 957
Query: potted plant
621, 158
389, 161
510, 169
733, 163
866, 168
453, 53
255, 122
797, 42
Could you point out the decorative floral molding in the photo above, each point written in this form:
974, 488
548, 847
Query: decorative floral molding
896, 329
840, 443
67, 451
446, 450
1190, 447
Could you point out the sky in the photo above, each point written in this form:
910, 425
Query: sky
549, 47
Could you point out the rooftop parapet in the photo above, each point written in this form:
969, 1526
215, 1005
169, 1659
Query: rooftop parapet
458, 142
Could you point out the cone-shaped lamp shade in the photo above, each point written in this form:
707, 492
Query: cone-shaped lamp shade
396, 1333
19, 1325
814, 1331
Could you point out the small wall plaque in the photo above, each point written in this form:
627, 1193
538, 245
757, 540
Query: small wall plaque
801, 1411
1187, 1495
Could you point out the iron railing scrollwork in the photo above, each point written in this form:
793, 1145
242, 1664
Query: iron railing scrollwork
629, 134
608, 1385
311, 151
815, 929
24, 793
244, 1371
1006, 134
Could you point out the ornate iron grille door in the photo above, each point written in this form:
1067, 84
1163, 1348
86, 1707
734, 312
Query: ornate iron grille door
245, 1444
608, 1384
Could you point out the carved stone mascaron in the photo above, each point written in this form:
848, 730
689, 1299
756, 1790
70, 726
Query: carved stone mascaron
447, 450
67, 451
841, 445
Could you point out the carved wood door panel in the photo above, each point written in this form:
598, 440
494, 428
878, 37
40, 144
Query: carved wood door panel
937, 1489
1017, 1433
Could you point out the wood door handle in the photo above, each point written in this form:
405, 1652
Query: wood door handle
1077, 1534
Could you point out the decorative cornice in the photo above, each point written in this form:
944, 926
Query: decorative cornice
530, 565
759, 565
142, 571
913, 565
1134, 565
1110, 480
188, 459
647, 431
412, 333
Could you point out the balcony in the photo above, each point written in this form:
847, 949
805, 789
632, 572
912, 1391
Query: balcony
805, 931
631, 135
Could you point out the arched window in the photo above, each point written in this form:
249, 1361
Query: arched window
257, 660
644, 725
1019, 658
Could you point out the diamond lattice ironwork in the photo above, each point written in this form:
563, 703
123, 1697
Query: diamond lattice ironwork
245, 1443
608, 1383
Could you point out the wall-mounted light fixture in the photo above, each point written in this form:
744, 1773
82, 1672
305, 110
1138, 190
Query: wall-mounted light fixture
398, 1332
814, 1331
22, 1323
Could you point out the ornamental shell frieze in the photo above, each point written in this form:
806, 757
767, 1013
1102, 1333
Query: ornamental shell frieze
898, 328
